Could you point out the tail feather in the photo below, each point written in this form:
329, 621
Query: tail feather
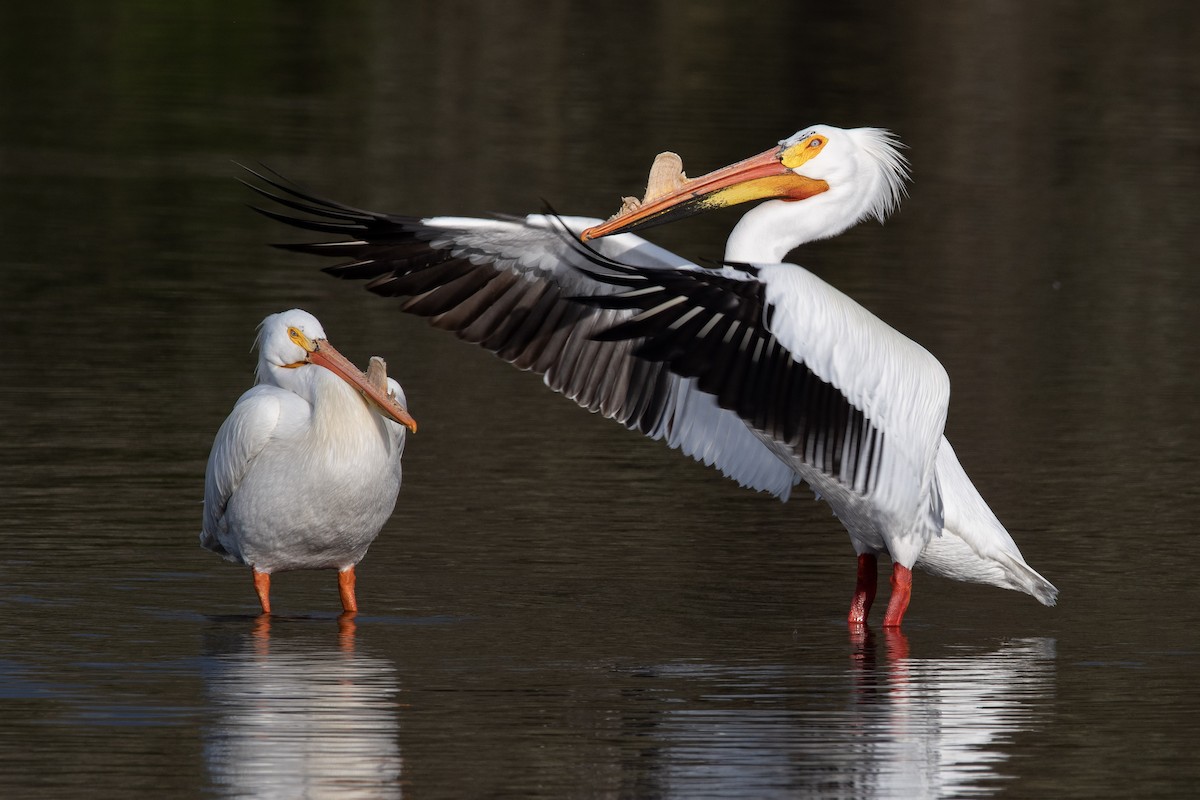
1029, 580
209, 541
973, 545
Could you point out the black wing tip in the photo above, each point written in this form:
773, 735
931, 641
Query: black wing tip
326, 225
271, 177
308, 248
291, 194
589, 252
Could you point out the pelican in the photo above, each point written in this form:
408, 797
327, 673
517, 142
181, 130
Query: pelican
305, 470
758, 367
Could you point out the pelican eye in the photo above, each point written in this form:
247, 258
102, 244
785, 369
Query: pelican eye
295, 334
805, 149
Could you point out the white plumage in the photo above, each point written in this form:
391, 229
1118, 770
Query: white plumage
896, 383
304, 472
758, 367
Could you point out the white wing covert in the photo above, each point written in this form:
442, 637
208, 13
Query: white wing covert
241, 438
893, 381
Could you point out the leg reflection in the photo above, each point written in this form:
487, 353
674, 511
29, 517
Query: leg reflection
346, 631
896, 643
261, 635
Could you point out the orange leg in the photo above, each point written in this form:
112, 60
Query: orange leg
864, 590
346, 589
262, 586
901, 594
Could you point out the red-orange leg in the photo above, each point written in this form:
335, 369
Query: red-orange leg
262, 587
346, 589
901, 594
864, 589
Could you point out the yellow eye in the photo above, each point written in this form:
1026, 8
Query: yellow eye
816, 141
295, 334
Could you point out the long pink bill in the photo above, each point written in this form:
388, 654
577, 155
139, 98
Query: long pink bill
326, 355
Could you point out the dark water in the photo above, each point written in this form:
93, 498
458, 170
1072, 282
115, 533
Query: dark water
560, 608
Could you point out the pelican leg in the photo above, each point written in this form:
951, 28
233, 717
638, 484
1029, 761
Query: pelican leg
864, 589
262, 587
346, 589
901, 594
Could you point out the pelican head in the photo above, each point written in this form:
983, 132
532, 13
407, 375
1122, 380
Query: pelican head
291, 343
843, 176
281, 341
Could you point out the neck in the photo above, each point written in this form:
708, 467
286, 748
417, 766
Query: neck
337, 410
768, 232
345, 422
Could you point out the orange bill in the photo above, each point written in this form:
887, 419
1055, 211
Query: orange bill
769, 175
323, 354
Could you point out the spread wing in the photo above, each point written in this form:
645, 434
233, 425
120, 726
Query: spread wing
507, 285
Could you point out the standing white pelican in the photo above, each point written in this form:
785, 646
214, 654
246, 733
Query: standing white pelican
759, 368
305, 470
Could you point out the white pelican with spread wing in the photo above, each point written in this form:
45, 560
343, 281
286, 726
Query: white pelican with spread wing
758, 368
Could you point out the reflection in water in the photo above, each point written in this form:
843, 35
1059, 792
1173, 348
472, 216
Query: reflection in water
295, 718
1056, 282
939, 724
915, 727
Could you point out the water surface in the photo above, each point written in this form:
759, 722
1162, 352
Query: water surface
560, 608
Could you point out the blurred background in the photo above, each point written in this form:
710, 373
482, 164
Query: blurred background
560, 607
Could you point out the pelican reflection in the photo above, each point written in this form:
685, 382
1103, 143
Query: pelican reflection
301, 713
940, 726
890, 726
